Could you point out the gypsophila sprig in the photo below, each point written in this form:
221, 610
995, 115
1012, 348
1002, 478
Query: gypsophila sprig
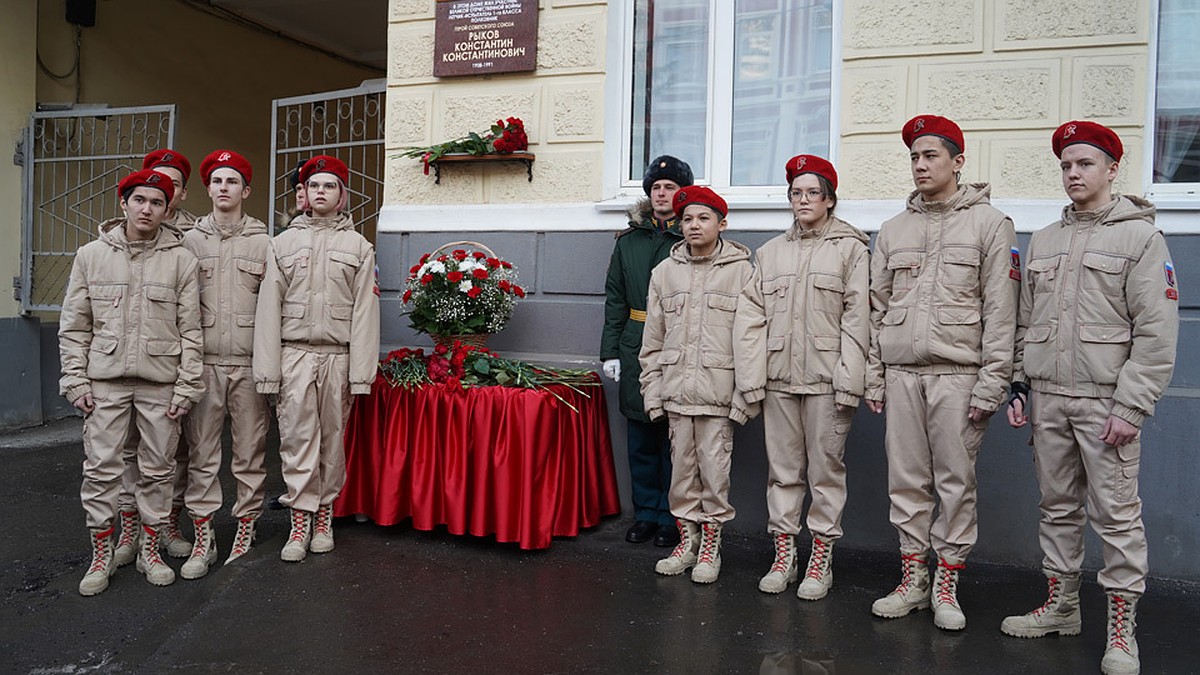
461, 293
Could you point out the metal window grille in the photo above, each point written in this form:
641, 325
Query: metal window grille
347, 124
73, 161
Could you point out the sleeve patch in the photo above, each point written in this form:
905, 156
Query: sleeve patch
1169, 269
1172, 294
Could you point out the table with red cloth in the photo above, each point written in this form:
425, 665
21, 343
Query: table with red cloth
516, 463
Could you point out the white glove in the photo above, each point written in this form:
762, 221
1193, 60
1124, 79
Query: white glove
612, 369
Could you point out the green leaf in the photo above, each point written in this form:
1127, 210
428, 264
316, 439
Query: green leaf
502, 378
481, 366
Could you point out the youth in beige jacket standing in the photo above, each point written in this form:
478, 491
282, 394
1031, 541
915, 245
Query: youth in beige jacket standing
175, 166
130, 342
688, 374
944, 282
1096, 342
316, 343
811, 294
232, 250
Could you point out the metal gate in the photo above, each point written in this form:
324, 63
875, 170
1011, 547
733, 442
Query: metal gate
73, 161
347, 124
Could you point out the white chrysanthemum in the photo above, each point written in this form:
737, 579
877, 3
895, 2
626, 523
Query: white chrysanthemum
436, 266
465, 285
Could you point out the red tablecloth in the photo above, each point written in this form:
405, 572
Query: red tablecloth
515, 463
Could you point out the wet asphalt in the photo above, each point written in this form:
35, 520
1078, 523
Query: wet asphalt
395, 600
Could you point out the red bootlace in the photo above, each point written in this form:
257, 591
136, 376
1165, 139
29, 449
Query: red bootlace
816, 564
99, 558
241, 540
947, 581
1051, 596
684, 544
200, 548
150, 550
129, 526
907, 561
173, 531
298, 528
324, 515
1118, 623
708, 543
781, 553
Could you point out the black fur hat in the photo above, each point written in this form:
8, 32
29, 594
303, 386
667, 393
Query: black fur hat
670, 168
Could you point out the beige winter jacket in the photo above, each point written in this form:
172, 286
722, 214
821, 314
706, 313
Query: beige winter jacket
232, 265
811, 293
688, 345
181, 222
944, 286
319, 294
132, 311
1099, 309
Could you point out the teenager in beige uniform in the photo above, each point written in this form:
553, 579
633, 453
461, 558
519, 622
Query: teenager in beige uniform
943, 314
687, 361
316, 343
232, 249
175, 166
1096, 343
811, 293
130, 343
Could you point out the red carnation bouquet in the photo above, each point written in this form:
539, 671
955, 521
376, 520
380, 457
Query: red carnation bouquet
461, 293
505, 137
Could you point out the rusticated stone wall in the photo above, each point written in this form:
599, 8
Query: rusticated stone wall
1008, 71
561, 103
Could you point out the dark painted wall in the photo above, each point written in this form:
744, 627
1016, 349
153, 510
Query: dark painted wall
561, 319
21, 376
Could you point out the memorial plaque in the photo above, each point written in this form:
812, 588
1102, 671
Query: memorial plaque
478, 37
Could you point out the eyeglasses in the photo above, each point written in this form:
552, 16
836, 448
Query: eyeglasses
813, 195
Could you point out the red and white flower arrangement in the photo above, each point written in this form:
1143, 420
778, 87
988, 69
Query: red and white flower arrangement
505, 137
461, 293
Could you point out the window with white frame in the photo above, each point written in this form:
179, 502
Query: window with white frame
1176, 164
732, 88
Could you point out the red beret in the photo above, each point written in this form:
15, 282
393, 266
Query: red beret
698, 194
801, 164
147, 178
325, 164
1087, 132
225, 158
932, 125
169, 158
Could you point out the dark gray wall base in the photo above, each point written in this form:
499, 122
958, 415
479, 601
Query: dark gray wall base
21, 376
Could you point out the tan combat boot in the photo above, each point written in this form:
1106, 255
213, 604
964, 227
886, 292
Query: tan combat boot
912, 592
785, 569
1121, 651
149, 560
1059, 614
297, 543
204, 551
683, 556
819, 576
322, 532
243, 539
102, 567
177, 545
708, 558
127, 539
947, 615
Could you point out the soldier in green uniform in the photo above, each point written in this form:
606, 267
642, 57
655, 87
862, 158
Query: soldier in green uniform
647, 241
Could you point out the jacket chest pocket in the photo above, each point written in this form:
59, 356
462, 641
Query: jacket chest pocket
776, 293
672, 308
250, 273
717, 326
828, 292
905, 267
1042, 273
106, 301
161, 303
960, 266
343, 267
206, 269
1105, 273
294, 266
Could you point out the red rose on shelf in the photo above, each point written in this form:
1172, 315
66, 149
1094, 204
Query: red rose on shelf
479, 273
474, 292
454, 277
441, 350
